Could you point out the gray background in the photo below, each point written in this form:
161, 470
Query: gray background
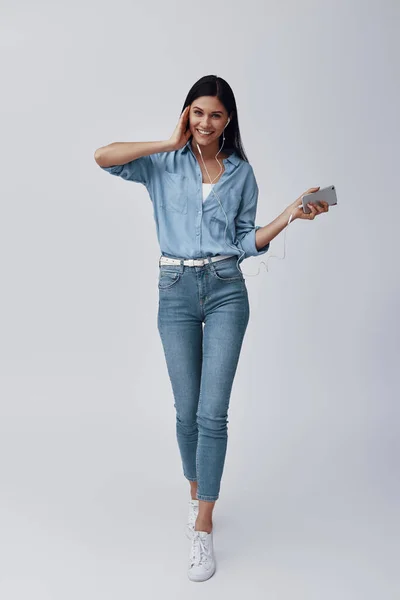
93, 502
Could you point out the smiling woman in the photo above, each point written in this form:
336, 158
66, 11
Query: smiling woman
203, 308
199, 281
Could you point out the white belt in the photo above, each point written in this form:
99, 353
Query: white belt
191, 262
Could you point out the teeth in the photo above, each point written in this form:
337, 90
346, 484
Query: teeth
204, 132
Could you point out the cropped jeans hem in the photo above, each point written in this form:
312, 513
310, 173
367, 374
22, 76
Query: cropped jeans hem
207, 498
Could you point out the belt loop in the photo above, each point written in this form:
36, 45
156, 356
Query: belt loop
181, 264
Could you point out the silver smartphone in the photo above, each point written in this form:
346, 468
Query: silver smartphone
328, 194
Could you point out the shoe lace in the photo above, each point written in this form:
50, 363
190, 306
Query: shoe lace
200, 553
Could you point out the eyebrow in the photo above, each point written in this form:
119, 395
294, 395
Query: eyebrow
214, 111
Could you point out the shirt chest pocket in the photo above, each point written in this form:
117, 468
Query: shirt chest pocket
218, 222
218, 226
174, 196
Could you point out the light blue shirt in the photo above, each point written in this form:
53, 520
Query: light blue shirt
186, 226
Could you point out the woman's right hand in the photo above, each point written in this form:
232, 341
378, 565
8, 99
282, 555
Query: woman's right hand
180, 136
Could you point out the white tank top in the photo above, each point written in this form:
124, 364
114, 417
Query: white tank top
206, 190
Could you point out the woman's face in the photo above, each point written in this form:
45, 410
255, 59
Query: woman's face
207, 114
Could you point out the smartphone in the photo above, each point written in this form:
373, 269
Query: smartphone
328, 194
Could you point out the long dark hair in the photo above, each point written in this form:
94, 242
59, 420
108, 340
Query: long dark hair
212, 85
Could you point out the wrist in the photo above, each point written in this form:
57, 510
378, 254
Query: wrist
287, 212
168, 146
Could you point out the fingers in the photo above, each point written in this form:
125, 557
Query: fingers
324, 207
313, 212
316, 209
185, 113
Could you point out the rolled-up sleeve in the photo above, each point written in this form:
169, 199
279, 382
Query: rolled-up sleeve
245, 219
139, 170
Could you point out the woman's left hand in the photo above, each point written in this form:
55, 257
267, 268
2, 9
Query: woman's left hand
296, 208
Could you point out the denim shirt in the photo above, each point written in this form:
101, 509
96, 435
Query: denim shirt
186, 226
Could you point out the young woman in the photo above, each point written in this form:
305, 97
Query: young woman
202, 237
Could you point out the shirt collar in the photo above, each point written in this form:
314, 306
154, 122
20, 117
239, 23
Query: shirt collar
233, 157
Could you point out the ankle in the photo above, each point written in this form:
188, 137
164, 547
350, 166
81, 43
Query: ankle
207, 528
193, 490
203, 525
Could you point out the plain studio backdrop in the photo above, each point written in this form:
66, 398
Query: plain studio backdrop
93, 501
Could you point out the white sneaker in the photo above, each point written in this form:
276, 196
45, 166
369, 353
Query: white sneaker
193, 512
202, 561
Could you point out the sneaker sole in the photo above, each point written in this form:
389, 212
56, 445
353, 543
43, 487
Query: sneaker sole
197, 579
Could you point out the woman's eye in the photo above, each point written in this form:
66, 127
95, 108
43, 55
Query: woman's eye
197, 112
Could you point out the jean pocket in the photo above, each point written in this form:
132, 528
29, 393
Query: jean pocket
226, 270
175, 197
167, 278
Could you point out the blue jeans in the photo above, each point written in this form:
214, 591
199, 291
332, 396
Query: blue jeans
201, 362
